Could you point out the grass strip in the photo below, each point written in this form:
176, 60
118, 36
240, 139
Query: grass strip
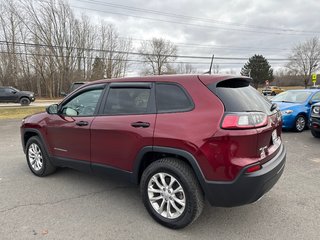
19, 112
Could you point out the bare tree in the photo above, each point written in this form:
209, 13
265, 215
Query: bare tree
286, 77
216, 68
157, 54
114, 51
44, 46
9, 33
185, 68
305, 59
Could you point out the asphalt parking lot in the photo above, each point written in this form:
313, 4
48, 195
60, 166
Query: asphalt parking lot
74, 205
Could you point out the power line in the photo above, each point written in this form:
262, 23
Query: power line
135, 53
190, 24
188, 17
183, 44
210, 46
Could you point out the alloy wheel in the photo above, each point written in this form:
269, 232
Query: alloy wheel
166, 195
35, 157
300, 123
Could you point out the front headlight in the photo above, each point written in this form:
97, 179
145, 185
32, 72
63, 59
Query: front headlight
287, 112
316, 109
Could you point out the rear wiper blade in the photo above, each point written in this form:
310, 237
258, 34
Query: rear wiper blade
273, 107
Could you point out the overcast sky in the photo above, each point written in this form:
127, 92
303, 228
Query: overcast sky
230, 28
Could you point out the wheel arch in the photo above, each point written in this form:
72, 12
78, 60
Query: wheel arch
24, 97
300, 113
151, 154
29, 133
304, 114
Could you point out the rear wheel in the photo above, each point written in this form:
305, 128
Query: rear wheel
38, 159
300, 123
24, 101
273, 94
171, 193
315, 133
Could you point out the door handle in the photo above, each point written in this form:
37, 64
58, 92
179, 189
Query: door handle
82, 123
140, 124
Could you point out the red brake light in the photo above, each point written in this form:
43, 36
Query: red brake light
253, 168
244, 120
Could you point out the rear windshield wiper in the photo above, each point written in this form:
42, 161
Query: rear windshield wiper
273, 107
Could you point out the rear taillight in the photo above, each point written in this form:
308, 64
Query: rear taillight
244, 120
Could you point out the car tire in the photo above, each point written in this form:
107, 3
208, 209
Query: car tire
315, 133
25, 101
300, 123
273, 94
171, 193
37, 158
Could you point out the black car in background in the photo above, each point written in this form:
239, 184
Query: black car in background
13, 95
315, 120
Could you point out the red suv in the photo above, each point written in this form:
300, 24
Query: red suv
182, 138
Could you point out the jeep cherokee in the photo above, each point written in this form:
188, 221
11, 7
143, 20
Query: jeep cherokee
183, 138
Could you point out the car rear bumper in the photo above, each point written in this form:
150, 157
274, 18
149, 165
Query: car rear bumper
247, 188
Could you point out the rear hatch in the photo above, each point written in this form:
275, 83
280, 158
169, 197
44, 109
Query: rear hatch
246, 110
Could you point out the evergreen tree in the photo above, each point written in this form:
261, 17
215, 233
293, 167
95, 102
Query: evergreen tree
259, 69
98, 69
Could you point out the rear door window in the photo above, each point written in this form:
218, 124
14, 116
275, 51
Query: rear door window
128, 100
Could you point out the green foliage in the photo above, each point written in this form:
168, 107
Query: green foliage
259, 69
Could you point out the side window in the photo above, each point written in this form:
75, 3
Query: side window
172, 98
316, 97
83, 104
127, 101
8, 90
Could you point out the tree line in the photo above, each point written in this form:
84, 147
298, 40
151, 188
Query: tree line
304, 61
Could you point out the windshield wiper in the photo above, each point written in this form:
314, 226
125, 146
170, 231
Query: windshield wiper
285, 101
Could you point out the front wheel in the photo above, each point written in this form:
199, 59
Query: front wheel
25, 101
171, 193
38, 159
300, 123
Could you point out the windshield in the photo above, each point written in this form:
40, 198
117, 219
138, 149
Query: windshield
292, 96
14, 89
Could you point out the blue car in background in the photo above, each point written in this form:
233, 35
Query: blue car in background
295, 107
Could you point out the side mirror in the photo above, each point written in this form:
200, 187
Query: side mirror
71, 112
63, 94
14, 92
312, 102
52, 109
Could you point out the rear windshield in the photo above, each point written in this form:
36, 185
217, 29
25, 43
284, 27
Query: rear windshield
238, 96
